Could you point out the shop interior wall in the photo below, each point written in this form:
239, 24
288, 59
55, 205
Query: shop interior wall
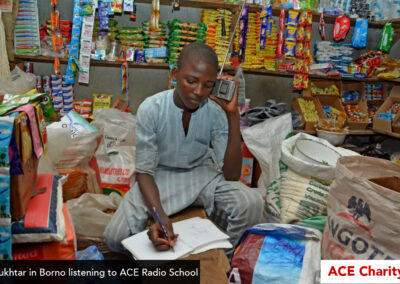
145, 82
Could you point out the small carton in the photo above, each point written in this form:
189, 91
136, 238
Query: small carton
332, 101
322, 84
382, 125
308, 125
360, 125
396, 123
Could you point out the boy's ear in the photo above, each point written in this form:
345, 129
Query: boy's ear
174, 73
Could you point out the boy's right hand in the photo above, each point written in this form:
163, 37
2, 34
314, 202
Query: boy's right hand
157, 237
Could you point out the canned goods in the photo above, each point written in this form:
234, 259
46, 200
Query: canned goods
28, 67
46, 82
39, 83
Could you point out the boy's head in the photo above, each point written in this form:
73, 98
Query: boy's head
195, 75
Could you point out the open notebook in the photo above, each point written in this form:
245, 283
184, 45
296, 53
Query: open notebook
195, 235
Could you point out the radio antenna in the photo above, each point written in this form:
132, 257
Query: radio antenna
232, 37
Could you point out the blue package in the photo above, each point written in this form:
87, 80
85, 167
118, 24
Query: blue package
5, 239
359, 39
5, 195
6, 131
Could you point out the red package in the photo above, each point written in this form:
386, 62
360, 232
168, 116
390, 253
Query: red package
342, 26
52, 250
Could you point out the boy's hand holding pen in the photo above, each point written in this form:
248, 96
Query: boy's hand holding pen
161, 233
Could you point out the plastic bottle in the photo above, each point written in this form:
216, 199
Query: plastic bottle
90, 253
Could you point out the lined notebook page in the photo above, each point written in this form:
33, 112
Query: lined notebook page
194, 234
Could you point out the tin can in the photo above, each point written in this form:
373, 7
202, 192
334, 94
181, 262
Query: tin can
46, 82
28, 67
39, 83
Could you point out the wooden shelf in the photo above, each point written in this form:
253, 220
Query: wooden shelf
215, 4
92, 62
396, 135
46, 59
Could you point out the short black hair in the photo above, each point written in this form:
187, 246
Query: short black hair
200, 52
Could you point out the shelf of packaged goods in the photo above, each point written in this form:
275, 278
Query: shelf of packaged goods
215, 4
351, 132
228, 69
92, 62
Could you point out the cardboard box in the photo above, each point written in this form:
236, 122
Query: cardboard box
322, 84
308, 125
382, 125
332, 101
361, 125
353, 86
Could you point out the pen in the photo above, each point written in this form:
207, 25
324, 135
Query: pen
162, 225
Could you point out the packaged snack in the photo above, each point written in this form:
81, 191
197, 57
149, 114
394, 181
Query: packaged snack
386, 39
101, 101
359, 39
341, 27
292, 18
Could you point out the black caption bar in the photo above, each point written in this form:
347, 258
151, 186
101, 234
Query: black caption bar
106, 271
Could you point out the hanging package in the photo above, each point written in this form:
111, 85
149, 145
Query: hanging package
342, 26
359, 39
387, 36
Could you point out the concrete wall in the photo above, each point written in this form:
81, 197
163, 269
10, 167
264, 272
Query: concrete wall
145, 82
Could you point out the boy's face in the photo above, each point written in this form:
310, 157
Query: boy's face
195, 81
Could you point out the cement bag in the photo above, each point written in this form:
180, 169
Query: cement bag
19, 83
264, 141
277, 253
304, 187
91, 213
116, 153
364, 209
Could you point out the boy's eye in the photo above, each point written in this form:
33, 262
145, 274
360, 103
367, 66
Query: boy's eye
190, 81
209, 86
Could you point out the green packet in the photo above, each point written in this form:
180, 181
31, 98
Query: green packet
187, 33
187, 38
11, 102
176, 24
49, 113
386, 39
130, 30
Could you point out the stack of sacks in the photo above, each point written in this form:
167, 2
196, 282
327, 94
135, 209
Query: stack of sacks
339, 54
253, 57
214, 38
181, 34
131, 37
112, 30
155, 38
46, 225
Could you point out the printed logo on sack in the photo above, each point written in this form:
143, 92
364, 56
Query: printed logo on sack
358, 213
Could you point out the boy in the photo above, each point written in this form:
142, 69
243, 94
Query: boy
174, 165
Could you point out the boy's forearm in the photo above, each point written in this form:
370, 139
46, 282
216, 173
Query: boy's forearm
233, 154
150, 193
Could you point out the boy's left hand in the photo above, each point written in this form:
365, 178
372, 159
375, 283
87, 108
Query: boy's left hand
232, 106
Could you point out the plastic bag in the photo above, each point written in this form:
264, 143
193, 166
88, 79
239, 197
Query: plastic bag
65, 152
116, 154
264, 141
359, 39
19, 83
277, 253
89, 215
